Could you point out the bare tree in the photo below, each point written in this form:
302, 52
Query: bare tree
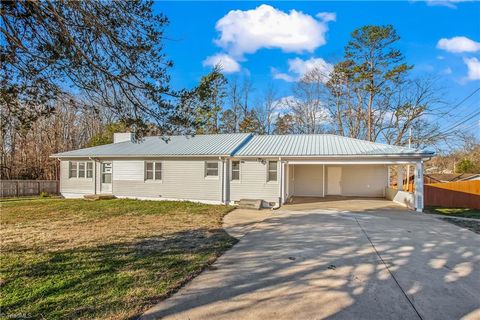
266, 110
110, 51
25, 152
308, 104
410, 105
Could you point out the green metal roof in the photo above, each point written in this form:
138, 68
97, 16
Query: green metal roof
199, 145
246, 145
320, 145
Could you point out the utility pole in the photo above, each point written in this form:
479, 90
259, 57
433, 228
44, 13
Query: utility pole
408, 165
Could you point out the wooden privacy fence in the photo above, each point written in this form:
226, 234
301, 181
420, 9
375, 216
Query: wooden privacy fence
20, 188
462, 194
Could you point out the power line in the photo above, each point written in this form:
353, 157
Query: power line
470, 116
461, 121
465, 99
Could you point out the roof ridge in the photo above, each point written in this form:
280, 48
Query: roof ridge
199, 135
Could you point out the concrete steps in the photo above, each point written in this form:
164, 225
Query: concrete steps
94, 197
250, 204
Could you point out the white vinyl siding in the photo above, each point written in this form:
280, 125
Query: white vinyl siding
128, 170
181, 179
253, 184
72, 185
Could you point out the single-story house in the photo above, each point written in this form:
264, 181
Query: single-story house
225, 168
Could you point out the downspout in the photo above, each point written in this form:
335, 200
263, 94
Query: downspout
282, 194
94, 174
225, 181
280, 186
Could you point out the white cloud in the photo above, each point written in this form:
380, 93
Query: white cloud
458, 44
445, 3
473, 65
298, 68
447, 71
282, 76
247, 31
327, 16
227, 63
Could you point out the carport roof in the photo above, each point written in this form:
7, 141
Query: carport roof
319, 145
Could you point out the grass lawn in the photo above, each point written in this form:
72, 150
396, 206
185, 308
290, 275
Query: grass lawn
101, 259
456, 212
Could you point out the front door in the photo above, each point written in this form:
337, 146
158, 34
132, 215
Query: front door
106, 178
334, 176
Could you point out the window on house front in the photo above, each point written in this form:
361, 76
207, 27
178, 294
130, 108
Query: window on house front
80, 169
211, 169
272, 171
89, 169
73, 169
153, 170
235, 170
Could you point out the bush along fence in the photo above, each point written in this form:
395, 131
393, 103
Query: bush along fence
22, 188
463, 194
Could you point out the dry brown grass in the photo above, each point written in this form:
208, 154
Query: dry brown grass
107, 259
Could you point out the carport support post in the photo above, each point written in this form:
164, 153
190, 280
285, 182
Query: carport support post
419, 186
282, 182
399, 177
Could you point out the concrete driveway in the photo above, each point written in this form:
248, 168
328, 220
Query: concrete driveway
307, 263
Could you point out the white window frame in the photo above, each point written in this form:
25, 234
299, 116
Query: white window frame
239, 171
87, 170
207, 176
85, 164
154, 173
268, 171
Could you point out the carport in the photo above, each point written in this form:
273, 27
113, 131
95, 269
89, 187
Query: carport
321, 165
326, 180
354, 178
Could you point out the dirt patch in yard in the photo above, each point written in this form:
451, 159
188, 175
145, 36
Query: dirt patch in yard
471, 225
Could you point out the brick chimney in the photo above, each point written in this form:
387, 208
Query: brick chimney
122, 137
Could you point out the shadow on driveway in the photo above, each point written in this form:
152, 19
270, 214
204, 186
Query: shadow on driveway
317, 264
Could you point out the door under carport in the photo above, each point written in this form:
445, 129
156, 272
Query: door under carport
357, 180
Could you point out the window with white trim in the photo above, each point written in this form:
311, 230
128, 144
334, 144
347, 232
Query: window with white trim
80, 169
89, 170
272, 171
211, 169
235, 170
153, 170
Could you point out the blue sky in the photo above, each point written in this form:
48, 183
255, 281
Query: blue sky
195, 27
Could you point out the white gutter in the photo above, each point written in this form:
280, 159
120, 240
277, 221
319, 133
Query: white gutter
139, 156
355, 156
354, 162
224, 181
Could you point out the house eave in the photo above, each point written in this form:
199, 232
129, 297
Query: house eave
142, 156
